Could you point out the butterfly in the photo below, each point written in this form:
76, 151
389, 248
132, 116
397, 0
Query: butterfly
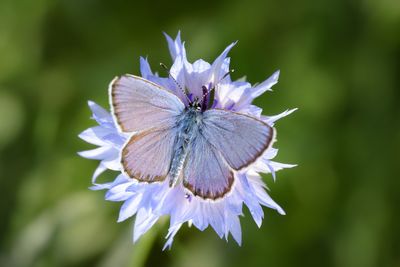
201, 148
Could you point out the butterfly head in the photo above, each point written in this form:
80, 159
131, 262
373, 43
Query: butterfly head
196, 104
205, 102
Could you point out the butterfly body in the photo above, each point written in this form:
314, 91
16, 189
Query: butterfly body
188, 125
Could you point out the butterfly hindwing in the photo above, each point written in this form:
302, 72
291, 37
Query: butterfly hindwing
240, 138
139, 104
206, 173
147, 155
225, 142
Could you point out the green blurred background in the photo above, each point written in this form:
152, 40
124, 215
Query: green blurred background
340, 65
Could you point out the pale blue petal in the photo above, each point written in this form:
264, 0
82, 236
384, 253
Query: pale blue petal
102, 116
178, 73
272, 119
129, 208
97, 153
113, 163
171, 46
176, 205
216, 68
196, 76
200, 66
101, 136
149, 195
119, 180
117, 196
272, 171
267, 201
145, 69
199, 220
225, 69
91, 137
119, 192
97, 187
215, 217
265, 85
235, 204
279, 166
251, 110
166, 83
172, 231
143, 222
250, 200
99, 170
255, 210
233, 224
244, 103
233, 91
175, 46
123, 179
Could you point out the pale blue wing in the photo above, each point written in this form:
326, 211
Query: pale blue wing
206, 173
139, 104
147, 155
241, 139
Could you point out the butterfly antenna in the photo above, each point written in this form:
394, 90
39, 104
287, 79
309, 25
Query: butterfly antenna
175, 81
206, 92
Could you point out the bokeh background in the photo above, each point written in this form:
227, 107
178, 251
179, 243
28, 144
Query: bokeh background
340, 65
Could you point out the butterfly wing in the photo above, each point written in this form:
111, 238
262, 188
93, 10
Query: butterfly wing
138, 104
240, 138
151, 112
206, 173
224, 142
147, 155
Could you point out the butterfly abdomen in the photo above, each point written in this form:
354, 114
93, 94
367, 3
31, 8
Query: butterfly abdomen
187, 128
177, 165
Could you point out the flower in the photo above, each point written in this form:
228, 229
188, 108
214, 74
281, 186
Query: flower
150, 201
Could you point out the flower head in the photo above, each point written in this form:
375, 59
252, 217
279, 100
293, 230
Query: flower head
150, 201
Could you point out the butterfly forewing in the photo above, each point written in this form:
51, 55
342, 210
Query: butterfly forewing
139, 104
206, 173
241, 139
